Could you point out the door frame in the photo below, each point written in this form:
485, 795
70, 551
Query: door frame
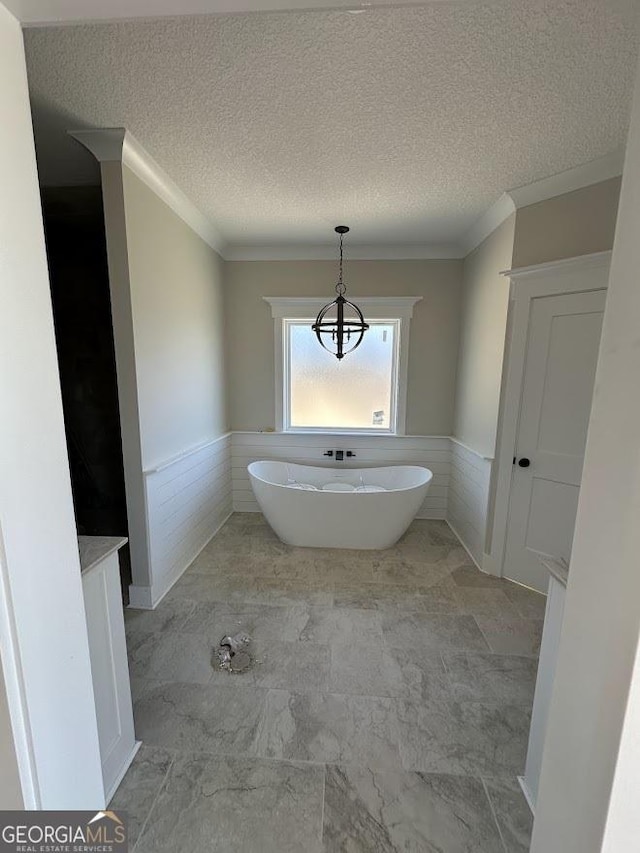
572, 275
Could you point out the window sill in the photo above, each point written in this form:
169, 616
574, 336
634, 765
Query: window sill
339, 432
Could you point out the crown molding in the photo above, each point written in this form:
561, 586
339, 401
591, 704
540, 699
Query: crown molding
117, 144
486, 224
593, 172
353, 252
68, 12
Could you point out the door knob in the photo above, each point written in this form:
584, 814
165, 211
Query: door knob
524, 462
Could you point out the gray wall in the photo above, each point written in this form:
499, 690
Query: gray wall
484, 305
433, 346
168, 321
576, 223
178, 327
567, 225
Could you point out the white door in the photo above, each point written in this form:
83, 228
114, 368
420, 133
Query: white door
560, 365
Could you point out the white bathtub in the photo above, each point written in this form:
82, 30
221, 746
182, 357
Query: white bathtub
339, 507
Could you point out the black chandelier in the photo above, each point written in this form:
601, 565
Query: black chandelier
340, 330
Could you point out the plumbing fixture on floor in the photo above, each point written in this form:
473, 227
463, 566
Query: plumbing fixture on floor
233, 653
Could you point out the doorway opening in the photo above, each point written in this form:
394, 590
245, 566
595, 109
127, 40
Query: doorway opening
79, 277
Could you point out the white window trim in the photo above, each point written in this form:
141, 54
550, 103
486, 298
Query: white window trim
390, 308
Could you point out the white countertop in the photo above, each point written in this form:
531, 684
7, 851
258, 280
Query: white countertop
94, 549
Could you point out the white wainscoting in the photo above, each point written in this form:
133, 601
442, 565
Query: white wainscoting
469, 498
371, 451
188, 499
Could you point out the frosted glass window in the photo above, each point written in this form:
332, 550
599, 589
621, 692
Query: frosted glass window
357, 392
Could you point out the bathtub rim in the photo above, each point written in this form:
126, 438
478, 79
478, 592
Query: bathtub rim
417, 485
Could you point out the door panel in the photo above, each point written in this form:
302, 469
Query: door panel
566, 400
560, 365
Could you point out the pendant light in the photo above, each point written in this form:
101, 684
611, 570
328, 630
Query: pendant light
341, 335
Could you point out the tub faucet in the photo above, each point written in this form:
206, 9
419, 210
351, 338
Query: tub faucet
339, 455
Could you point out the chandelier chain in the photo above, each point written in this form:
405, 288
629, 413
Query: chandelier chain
340, 286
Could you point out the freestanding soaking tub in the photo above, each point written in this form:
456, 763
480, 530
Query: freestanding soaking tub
339, 507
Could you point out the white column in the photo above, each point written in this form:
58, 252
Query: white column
43, 635
590, 777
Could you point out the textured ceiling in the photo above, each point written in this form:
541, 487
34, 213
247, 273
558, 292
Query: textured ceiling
405, 123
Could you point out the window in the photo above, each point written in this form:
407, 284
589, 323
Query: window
365, 392
358, 392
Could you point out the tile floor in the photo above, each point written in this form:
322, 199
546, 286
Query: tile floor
389, 712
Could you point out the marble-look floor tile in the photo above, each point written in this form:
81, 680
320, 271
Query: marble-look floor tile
472, 576
529, 603
438, 532
346, 570
468, 738
408, 573
327, 727
197, 587
169, 615
432, 632
224, 805
439, 598
513, 636
303, 667
273, 549
252, 519
223, 548
512, 812
286, 591
293, 566
483, 601
229, 565
266, 624
140, 645
502, 679
138, 790
252, 589
138, 685
171, 657
368, 811
418, 549
365, 669
423, 674
341, 627
350, 648
197, 717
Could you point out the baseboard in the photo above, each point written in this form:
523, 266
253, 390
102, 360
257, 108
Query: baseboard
462, 542
149, 597
127, 764
490, 566
527, 794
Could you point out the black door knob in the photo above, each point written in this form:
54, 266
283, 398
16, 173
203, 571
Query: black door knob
524, 462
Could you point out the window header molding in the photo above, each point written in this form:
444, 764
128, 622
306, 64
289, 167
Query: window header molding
375, 307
